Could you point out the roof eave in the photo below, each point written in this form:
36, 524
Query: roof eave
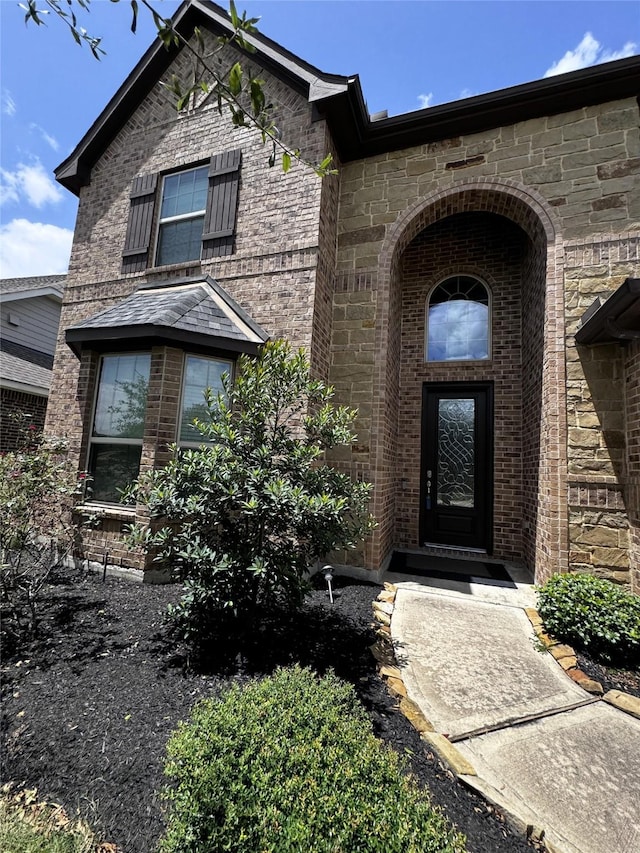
608, 322
357, 136
106, 337
74, 172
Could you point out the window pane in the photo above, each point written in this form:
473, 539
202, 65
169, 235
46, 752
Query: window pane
458, 321
185, 192
458, 331
200, 374
180, 241
456, 453
113, 467
121, 403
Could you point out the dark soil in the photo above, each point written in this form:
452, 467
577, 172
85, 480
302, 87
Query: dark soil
610, 678
88, 707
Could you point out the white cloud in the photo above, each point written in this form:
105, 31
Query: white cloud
8, 104
589, 52
467, 93
29, 183
425, 100
33, 248
50, 140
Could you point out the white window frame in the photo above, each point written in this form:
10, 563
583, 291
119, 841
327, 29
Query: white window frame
183, 385
96, 440
180, 217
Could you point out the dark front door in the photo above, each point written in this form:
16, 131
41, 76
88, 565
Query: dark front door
457, 465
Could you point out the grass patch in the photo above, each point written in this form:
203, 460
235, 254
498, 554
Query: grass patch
30, 826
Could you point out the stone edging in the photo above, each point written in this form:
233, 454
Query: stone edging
391, 674
566, 657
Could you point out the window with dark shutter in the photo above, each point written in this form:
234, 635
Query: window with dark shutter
222, 205
135, 256
197, 216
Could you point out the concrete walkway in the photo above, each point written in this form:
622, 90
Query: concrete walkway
549, 754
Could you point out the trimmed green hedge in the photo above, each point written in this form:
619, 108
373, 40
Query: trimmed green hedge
594, 615
289, 764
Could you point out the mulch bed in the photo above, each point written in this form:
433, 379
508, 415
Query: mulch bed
88, 708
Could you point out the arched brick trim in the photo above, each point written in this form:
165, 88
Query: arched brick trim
529, 210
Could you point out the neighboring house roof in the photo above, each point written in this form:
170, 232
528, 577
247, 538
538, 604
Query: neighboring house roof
24, 369
191, 311
31, 286
340, 100
614, 320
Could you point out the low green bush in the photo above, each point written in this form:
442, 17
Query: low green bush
593, 615
290, 764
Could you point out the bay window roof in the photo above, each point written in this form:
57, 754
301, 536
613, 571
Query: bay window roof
186, 312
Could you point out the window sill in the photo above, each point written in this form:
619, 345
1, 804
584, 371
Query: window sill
119, 513
185, 268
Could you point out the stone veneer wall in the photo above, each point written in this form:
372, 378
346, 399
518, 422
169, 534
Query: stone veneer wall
602, 498
568, 177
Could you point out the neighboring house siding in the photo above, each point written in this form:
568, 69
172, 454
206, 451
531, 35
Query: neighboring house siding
37, 322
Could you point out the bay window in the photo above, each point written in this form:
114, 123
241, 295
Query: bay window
118, 424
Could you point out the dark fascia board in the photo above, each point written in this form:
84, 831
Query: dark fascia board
340, 99
74, 172
615, 320
140, 336
357, 136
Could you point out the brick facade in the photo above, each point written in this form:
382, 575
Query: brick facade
17, 410
542, 210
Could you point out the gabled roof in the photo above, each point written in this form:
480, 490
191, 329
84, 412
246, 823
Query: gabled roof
194, 312
340, 100
31, 286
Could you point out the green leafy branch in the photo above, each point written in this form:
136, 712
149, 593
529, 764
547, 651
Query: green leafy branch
242, 93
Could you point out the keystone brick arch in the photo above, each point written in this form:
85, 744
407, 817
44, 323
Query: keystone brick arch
548, 549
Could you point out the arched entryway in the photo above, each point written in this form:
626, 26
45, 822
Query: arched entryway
503, 236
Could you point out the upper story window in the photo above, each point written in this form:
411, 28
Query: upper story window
184, 199
196, 216
458, 320
115, 444
200, 373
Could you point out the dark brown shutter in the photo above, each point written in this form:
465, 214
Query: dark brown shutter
135, 256
218, 234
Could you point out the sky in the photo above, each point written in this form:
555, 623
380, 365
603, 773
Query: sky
409, 55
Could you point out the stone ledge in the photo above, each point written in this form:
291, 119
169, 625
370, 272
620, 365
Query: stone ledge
623, 702
119, 513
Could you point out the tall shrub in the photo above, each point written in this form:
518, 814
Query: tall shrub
244, 516
37, 492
